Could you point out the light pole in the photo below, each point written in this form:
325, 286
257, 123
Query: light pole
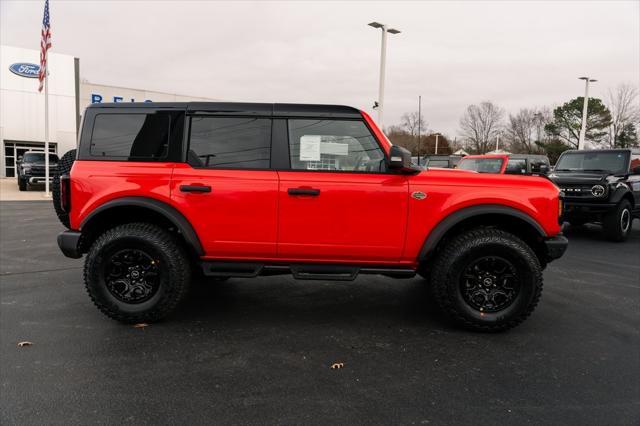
383, 60
436, 150
583, 128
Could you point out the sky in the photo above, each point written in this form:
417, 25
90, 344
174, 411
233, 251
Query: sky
515, 53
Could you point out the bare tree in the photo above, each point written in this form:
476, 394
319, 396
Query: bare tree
623, 104
525, 129
410, 122
480, 125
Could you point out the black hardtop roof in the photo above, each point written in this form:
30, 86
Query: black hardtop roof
244, 108
528, 156
635, 151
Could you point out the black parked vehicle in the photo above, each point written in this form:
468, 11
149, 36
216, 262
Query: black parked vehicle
601, 186
444, 161
30, 170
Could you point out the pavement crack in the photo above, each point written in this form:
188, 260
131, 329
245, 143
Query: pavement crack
8, 274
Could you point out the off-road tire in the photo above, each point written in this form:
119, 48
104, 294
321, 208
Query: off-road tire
173, 264
464, 249
613, 223
64, 167
22, 184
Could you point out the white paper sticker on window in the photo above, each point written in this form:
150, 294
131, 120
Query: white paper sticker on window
310, 148
333, 148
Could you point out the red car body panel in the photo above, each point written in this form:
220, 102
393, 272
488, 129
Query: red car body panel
94, 183
364, 218
238, 218
357, 216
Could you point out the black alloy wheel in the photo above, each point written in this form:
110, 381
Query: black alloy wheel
490, 284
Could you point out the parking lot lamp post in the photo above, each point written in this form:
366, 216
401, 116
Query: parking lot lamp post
383, 59
436, 150
583, 128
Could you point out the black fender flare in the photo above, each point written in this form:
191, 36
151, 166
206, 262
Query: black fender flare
619, 193
439, 231
164, 209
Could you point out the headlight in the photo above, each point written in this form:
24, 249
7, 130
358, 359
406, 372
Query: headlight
597, 191
26, 168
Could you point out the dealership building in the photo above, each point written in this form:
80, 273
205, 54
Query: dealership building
22, 106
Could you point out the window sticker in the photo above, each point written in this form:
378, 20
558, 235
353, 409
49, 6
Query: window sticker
310, 148
332, 148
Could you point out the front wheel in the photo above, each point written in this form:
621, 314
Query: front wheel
136, 272
22, 184
617, 223
487, 280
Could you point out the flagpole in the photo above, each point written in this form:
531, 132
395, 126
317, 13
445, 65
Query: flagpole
46, 127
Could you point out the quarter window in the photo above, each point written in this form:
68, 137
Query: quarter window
143, 136
230, 142
516, 166
339, 145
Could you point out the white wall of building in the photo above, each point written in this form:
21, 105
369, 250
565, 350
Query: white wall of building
90, 93
22, 106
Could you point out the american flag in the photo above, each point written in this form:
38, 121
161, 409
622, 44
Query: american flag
45, 44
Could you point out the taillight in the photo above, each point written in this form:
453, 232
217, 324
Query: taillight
65, 193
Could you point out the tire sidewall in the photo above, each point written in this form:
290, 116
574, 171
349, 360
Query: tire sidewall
613, 226
169, 279
624, 206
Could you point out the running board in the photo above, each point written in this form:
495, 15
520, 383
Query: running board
299, 271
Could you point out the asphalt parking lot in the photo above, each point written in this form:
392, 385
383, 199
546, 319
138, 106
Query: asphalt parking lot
259, 351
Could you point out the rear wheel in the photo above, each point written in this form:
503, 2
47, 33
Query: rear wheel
487, 280
617, 223
64, 167
137, 272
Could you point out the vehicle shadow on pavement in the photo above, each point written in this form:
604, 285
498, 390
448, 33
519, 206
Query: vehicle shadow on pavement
594, 232
282, 299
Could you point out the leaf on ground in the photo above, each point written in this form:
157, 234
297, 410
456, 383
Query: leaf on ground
23, 344
141, 325
337, 365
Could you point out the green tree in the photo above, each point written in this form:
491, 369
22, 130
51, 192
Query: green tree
553, 148
567, 120
628, 137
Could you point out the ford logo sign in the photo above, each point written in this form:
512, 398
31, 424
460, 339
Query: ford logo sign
24, 69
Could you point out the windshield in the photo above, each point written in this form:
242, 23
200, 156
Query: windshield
605, 161
481, 165
439, 163
38, 157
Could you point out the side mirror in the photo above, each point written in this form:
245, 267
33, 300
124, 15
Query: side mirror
544, 169
400, 160
20, 159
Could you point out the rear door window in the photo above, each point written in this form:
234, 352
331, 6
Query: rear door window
230, 142
131, 136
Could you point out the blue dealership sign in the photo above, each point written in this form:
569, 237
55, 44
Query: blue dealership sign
24, 69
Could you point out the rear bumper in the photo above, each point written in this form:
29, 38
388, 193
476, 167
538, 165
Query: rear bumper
556, 246
69, 243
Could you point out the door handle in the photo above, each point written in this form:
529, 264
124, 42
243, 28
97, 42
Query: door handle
304, 191
195, 188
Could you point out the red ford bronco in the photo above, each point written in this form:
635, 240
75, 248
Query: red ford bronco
158, 192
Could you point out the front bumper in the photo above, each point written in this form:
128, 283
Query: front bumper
573, 208
556, 246
69, 243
